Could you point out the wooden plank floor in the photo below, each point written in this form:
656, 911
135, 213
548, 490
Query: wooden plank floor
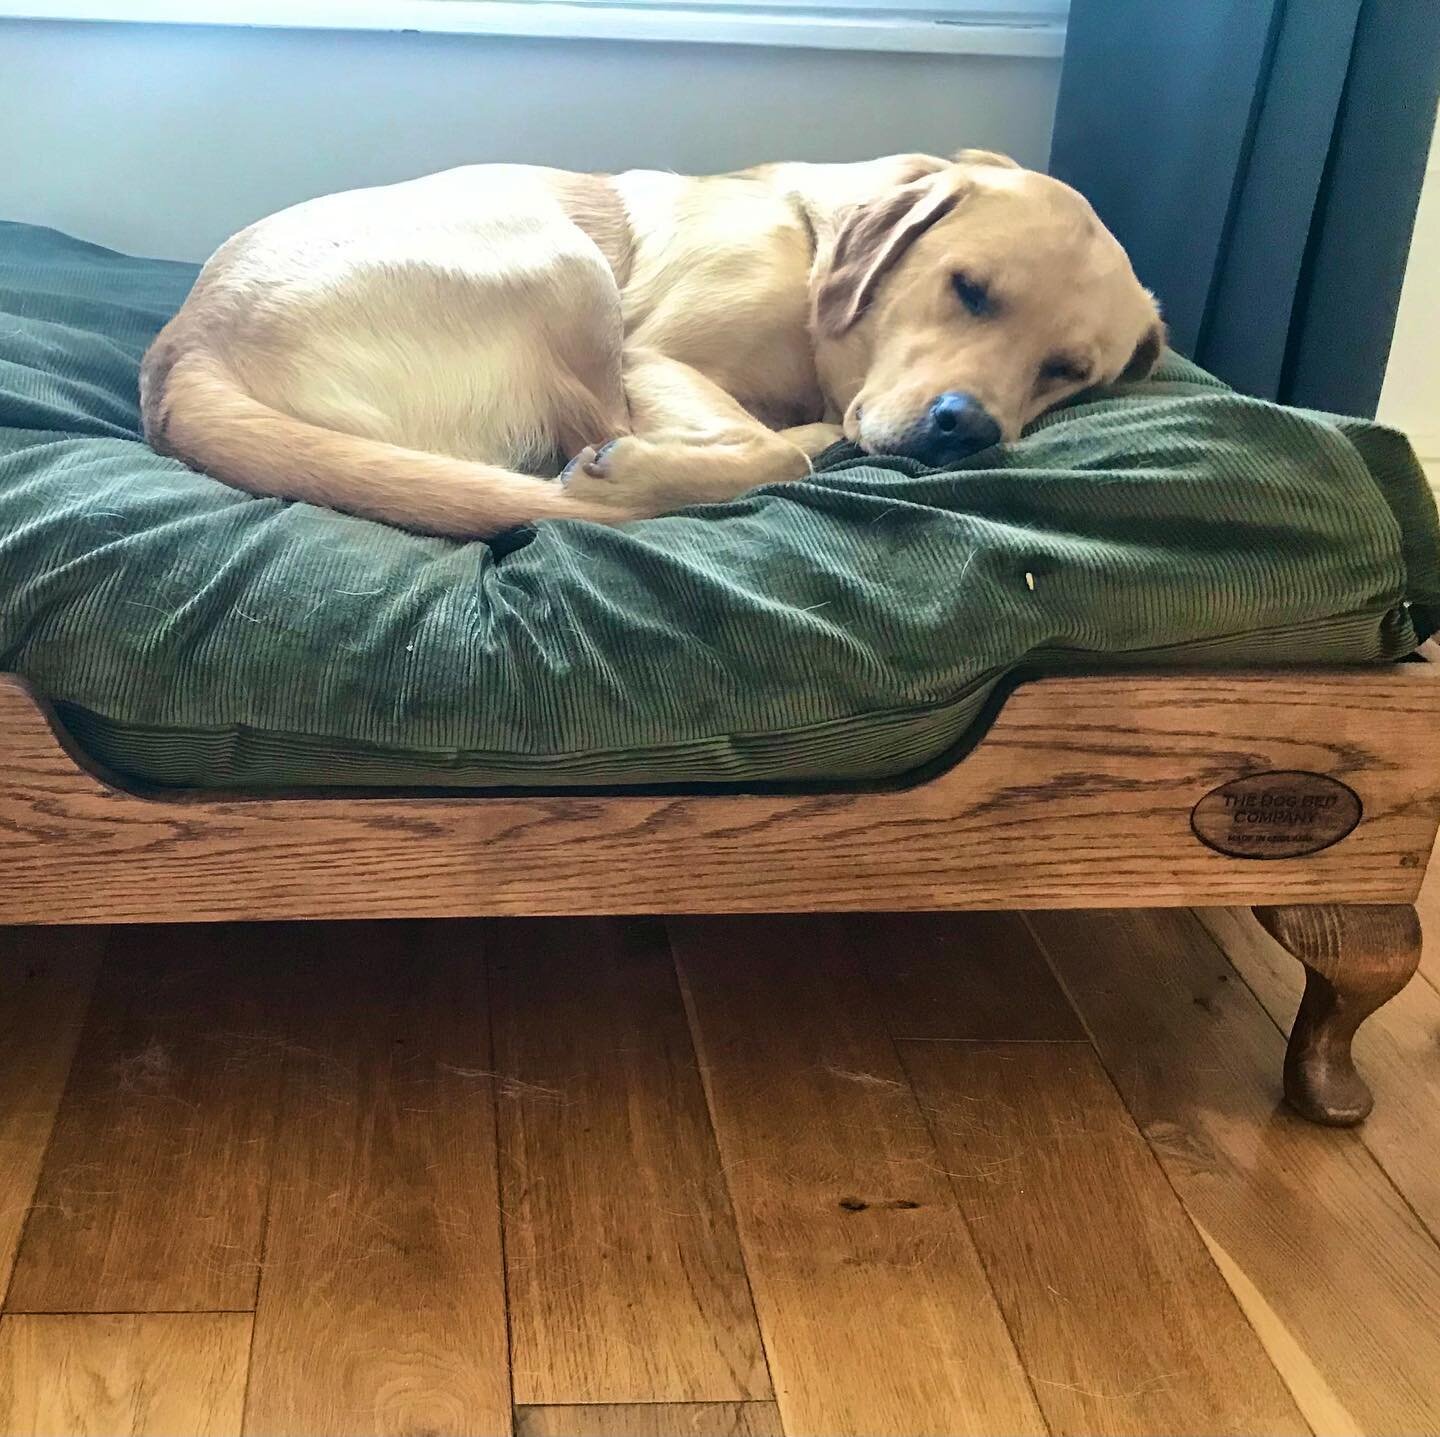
885, 1174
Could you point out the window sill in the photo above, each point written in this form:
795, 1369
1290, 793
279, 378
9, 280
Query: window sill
813, 30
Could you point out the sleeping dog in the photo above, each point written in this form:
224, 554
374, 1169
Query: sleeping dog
426, 353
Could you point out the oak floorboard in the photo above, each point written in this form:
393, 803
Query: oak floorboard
960, 976
1120, 1317
625, 1278
46, 978
1333, 1269
381, 1305
1397, 1049
876, 1313
131, 1375
651, 1419
152, 1195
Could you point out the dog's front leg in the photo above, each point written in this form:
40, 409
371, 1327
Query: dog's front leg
692, 443
813, 439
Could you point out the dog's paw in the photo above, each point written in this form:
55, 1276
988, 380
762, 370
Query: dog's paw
592, 460
608, 461
644, 479
625, 474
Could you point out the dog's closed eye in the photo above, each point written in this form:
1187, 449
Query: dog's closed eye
973, 295
1061, 369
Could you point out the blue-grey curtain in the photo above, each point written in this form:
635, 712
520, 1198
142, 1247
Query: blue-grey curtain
1261, 160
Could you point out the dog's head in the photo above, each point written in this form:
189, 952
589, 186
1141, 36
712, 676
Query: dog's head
953, 309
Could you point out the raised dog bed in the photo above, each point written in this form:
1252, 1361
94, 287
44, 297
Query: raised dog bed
1312, 794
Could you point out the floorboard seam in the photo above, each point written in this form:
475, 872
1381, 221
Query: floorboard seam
81, 1028
487, 929
1139, 1127
956, 1205
1370, 1152
690, 1028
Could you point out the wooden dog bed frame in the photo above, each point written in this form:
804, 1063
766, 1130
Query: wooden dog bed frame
1086, 792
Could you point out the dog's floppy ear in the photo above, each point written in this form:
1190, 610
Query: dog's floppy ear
919, 167
985, 157
870, 241
1147, 355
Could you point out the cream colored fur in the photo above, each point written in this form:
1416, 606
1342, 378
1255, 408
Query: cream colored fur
430, 353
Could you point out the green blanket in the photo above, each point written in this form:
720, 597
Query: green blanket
847, 628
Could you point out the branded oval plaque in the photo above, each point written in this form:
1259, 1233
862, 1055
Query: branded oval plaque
1285, 814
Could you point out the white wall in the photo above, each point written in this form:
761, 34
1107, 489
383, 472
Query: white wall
1411, 397
163, 140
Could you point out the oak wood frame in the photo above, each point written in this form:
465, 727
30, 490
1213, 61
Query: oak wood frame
1078, 796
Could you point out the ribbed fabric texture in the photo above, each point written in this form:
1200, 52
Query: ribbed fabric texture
848, 628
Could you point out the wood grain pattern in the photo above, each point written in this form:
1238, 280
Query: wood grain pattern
157, 1375
1399, 1049
625, 1278
1326, 1258
1357, 957
957, 976
1427, 905
652, 1419
46, 976
381, 1306
1076, 1225
876, 1314
153, 1190
1080, 794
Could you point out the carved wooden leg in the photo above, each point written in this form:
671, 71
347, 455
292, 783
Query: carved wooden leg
1356, 957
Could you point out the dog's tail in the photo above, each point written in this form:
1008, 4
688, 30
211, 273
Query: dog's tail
198, 411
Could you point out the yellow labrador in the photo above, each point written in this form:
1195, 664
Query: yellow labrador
425, 353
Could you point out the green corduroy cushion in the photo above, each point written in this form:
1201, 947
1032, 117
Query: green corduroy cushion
848, 628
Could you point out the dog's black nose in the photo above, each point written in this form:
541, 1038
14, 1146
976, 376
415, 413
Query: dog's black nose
956, 426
